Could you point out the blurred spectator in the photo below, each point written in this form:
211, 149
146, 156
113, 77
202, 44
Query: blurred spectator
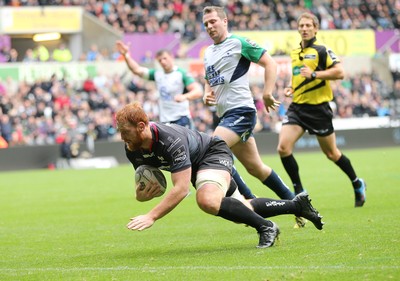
29, 56
3, 143
62, 53
3, 89
115, 55
69, 149
12, 55
41, 53
147, 58
93, 54
6, 128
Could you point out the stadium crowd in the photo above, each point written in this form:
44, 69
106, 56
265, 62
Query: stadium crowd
44, 112
185, 16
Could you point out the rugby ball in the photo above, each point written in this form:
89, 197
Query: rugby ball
145, 174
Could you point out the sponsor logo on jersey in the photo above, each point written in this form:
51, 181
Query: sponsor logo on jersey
179, 155
165, 168
310, 57
164, 94
214, 76
173, 143
296, 70
148, 155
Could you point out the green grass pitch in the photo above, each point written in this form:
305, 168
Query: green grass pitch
70, 225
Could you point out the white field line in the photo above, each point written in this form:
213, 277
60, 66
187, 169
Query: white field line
209, 268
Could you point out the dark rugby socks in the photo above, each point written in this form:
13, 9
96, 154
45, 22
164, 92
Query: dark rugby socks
275, 183
345, 164
243, 188
292, 168
267, 207
234, 210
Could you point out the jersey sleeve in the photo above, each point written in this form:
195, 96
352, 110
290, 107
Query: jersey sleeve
251, 50
187, 78
331, 58
151, 74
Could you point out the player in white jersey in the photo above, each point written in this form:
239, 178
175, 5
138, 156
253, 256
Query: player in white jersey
175, 86
226, 64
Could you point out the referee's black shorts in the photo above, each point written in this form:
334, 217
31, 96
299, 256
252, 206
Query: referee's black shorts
316, 119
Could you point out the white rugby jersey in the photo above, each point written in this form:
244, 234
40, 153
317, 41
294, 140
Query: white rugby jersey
226, 67
169, 85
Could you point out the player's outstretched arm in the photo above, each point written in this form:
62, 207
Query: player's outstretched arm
130, 62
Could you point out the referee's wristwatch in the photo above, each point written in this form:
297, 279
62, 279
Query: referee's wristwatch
313, 75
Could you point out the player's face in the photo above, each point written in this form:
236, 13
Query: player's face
215, 26
133, 138
166, 61
307, 29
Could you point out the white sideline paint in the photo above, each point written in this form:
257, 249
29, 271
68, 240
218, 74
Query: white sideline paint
87, 163
209, 268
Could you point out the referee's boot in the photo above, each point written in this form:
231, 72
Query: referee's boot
360, 194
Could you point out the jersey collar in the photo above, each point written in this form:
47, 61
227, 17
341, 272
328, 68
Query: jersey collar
227, 37
174, 68
309, 43
154, 133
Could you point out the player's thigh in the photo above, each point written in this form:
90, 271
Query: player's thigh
229, 136
247, 154
288, 136
328, 146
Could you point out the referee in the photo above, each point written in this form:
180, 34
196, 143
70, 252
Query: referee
313, 65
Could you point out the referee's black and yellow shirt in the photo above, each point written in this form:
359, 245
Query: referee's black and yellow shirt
317, 57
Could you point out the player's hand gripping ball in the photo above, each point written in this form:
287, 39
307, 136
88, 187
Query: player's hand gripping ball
146, 174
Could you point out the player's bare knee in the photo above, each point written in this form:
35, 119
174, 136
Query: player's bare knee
332, 155
208, 200
209, 206
283, 150
280, 149
211, 187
